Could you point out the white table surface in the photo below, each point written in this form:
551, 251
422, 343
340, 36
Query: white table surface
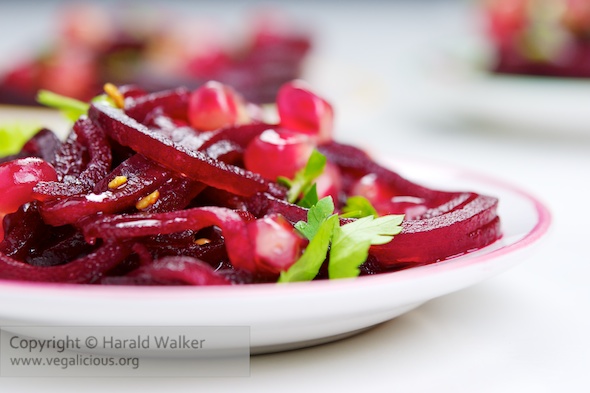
527, 329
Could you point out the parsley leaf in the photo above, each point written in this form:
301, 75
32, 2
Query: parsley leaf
306, 268
351, 243
13, 136
71, 108
316, 215
347, 245
305, 177
310, 198
357, 207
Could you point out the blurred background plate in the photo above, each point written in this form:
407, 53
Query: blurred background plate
457, 88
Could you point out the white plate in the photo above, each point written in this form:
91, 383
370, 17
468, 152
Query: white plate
290, 316
456, 84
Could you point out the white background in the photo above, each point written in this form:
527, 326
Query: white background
525, 330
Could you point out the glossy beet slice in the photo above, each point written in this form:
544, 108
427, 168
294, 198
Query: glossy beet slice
355, 163
241, 135
60, 252
172, 270
98, 149
31, 240
23, 230
178, 132
172, 102
193, 164
142, 177
232, 224
175, 194
87, 269
70, 159
452, 222
470, 227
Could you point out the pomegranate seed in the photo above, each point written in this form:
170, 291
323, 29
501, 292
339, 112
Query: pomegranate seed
277, 245
278, 152
303, 111
17, 179
213, 106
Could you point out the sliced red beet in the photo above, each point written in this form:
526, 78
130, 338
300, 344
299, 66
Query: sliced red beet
131, 91
60, 252
178, 132
175, 194
23, 229
87, 269
232, 224
99, 162
207, 245
70, 159
142, 177
356, 163
470, 227
459, 218
240, 135
173, 270
193, 164
173, 102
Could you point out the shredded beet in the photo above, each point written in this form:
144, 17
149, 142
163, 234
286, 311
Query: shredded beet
99, 162
144, 198
173, 270
231, 222
87, 269
142, 177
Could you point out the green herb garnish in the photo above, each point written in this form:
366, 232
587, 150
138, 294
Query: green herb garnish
71, 108
358, 206
351, 243
309, 264
346, 245
13, 136
316, 215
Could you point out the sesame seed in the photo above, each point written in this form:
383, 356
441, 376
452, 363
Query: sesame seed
117, 182
114, 93
147, 201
